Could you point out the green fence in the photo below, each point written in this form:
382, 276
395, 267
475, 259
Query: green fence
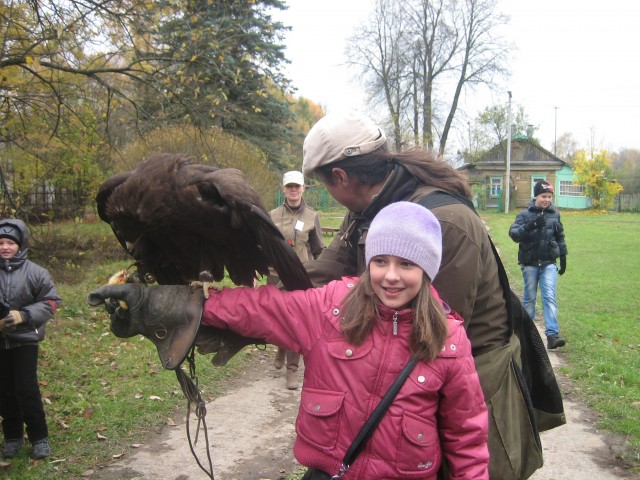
315, 197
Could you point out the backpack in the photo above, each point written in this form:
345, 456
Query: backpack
542, 393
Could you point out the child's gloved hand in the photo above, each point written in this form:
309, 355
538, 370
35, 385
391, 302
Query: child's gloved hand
535, 224
12, 320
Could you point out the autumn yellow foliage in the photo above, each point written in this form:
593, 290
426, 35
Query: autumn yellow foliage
593, 170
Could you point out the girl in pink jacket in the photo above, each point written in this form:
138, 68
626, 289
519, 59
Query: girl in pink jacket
356, 336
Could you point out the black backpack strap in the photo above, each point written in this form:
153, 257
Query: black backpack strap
541, 391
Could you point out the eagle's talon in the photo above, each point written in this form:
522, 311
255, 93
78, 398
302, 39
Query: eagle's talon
205, 287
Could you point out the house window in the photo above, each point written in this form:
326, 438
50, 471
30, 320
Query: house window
496, 186
570, 189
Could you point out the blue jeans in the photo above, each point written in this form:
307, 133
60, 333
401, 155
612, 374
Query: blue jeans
547, 278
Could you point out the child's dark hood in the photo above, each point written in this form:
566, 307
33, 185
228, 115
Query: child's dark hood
24, 233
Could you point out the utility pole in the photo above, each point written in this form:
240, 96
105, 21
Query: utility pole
555, 132
508, 175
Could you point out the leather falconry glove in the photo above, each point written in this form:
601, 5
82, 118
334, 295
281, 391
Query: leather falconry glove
12, 320
168, 315
563, 265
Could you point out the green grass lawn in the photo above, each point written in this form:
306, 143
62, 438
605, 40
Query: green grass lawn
599, 312
104, 394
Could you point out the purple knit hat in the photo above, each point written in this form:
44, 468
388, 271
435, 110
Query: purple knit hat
409, 231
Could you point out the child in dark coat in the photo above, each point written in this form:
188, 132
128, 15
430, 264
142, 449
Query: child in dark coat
29, 297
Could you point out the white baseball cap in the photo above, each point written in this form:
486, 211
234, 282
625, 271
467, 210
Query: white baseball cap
293, 177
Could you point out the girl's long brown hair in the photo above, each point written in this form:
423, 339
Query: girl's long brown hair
360, 314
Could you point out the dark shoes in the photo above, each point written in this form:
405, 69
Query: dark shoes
11, 448
555, 341
41, 449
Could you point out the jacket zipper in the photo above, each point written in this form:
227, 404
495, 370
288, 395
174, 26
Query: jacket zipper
395, 323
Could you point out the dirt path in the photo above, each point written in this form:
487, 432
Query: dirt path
251, 430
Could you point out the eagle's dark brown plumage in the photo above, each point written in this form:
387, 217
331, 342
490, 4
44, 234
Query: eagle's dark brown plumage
181, 221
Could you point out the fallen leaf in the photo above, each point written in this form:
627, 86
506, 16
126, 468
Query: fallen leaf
100, 436
88, 412
87, 473
5, 464
635, 404
154, 397
136, 445
102, 428
47, 401
118, 455
64, 425
138, 396
171, 423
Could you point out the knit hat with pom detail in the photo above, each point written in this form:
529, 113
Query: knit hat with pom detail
406, 230
542, 186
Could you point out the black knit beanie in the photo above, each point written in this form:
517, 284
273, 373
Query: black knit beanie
542, 186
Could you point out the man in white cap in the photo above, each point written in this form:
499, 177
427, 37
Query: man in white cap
300, 226
350, 155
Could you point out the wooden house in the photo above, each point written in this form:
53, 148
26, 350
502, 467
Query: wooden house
529, 163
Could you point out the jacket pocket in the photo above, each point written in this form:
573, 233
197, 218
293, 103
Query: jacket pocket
419, 447
319, 417
340, 349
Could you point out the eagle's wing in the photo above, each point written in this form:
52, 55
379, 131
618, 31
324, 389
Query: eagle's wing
292, 273
227, 190
179, 219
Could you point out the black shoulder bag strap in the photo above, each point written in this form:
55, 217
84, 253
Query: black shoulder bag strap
367, 429
439, 199
542, 391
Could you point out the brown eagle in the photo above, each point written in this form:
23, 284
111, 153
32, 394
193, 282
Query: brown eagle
184, 222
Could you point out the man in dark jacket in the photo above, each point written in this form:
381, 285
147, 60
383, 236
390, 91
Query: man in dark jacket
540, 235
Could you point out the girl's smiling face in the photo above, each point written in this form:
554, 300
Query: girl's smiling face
395, 281
8, 248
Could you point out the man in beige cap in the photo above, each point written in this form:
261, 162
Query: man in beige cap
350, 155
300, 226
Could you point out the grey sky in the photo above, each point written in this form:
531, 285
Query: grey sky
581, 56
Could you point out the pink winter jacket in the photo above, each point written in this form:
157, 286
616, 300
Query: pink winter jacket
439, 412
